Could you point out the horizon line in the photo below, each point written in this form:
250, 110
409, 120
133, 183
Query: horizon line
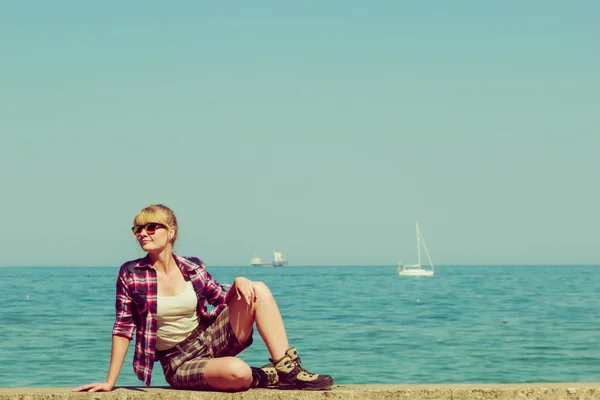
320, 265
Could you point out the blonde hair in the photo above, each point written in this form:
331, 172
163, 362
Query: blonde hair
158, 213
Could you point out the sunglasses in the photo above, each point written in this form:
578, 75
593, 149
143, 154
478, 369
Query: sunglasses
149, 228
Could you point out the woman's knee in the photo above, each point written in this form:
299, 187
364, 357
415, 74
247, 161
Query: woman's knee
262, 290
228, 373
239, 374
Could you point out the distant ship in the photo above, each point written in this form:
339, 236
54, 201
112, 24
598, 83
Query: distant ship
278, 261
257, 262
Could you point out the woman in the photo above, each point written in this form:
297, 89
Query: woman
163, 298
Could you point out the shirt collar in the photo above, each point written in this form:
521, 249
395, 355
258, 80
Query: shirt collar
184, 263
144, 262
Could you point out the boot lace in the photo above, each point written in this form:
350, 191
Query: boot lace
298, 368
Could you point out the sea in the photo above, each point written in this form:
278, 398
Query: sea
359, 324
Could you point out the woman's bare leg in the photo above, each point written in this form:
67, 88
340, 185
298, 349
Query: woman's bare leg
265, 313
228, 373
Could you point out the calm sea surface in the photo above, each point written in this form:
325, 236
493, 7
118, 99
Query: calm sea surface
358, 324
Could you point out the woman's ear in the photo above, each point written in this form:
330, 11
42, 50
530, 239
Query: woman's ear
171, 233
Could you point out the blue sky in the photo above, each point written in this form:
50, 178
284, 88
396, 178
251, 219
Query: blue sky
323, 129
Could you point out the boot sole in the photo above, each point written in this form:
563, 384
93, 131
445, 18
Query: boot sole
324, 385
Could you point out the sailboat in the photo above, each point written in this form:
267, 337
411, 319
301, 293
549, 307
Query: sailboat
417, 269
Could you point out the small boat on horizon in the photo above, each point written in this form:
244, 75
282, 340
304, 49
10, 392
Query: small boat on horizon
278, 261
257, 262
417, 269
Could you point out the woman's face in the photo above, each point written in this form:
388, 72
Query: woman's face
153, 236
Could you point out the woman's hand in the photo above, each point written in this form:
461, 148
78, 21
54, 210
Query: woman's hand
94, 387
244, 288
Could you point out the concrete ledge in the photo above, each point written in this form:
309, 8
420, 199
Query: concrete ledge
529, 391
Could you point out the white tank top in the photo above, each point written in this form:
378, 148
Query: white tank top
177, 317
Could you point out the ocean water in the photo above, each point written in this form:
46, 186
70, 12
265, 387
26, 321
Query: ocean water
466, 324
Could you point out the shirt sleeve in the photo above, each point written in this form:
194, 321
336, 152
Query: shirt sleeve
124, 324
214, 292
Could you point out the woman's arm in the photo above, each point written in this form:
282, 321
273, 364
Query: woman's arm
121, 336
242, 287
117, 356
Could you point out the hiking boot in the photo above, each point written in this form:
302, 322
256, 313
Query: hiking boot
293, 376
264, 377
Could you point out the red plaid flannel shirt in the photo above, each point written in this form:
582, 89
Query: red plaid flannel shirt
136, 304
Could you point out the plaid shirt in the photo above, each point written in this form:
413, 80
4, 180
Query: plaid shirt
136, 305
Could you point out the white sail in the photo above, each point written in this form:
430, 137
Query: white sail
417, 269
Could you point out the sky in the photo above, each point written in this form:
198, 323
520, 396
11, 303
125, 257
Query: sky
322, 129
